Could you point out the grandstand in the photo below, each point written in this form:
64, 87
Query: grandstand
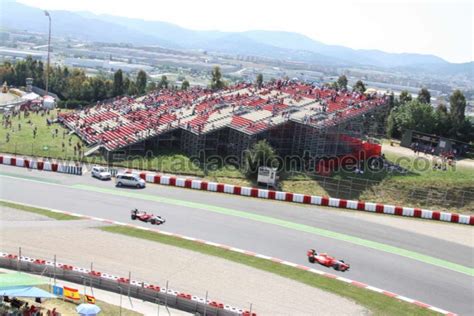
294, 117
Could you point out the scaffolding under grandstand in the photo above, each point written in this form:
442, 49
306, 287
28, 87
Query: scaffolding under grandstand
295, 118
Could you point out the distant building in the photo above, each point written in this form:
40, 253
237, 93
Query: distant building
49, 102
11, 99
7, 53
104, 64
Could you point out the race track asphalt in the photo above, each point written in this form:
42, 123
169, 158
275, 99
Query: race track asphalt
427, 269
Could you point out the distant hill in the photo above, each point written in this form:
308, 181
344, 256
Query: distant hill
272, 44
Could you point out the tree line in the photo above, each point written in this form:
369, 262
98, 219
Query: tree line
408, 113
74, 87
418, 114
72, 84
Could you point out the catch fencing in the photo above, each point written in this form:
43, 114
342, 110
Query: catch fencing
120, 285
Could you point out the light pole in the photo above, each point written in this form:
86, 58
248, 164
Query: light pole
49, 49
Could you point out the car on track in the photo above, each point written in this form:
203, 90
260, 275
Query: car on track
146, 217
327, 261
129, 180
100, 173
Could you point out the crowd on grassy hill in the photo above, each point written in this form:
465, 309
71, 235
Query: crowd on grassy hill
23, 119
16, 307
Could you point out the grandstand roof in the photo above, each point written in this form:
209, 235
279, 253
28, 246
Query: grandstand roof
242, 107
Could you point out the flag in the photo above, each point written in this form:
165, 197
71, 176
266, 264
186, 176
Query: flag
57, 290
71, 293
90, 299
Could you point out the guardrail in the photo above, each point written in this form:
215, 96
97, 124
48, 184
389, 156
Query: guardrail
256, 192
120, 285
42, 164
306, 199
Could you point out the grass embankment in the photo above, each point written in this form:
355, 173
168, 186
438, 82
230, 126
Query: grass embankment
378, 304
22, 142
38, 210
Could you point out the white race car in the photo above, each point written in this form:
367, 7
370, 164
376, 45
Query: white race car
147, 217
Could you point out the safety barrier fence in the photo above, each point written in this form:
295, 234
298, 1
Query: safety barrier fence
42, 164
306, 199
120, 285
254, 192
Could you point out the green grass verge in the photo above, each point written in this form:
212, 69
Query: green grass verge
21, 140
378, 304
38, 210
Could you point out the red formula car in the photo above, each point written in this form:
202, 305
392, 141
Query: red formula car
147, 217
326, 260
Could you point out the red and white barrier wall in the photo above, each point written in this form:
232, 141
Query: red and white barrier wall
306, 199
253, 192
41, 164
106, 276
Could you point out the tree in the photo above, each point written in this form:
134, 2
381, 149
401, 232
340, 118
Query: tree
109, 88
216, 81
7, 73
151, 87
118, 88
185, 85
86, 91
98, 88
413, 115
392, 127
342, 82
457, 103
163, 84
392, 101
132, 88
424, 96
404, 97
259, 81
359, 87
443, 122
141, 82
38, 75
126, 85
21, 73
73, 88
261, 154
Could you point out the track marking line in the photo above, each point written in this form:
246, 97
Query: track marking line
274, 221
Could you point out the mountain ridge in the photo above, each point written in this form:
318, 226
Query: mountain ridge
272, 44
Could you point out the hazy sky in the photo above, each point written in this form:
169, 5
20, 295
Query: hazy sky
441, 27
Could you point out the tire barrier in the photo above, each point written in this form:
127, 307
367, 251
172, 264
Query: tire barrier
306, 199
100, 280
44, 165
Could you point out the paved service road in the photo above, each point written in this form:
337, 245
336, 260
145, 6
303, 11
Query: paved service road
428, 269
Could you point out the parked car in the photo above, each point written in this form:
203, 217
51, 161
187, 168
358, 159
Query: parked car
129, 180
100, 173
